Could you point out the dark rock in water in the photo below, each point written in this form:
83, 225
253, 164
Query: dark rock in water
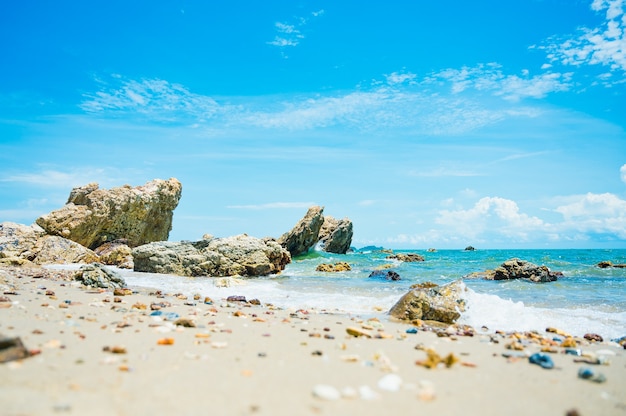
336, 235
441, 303
469, 248
305, 234
239, 255
385, 274
521, 269
94, 216
341, 266
12, 349
96, 275
406, 257
608, 264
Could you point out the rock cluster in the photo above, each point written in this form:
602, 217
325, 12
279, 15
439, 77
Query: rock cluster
340, 266
239, 255
93, 216
432, 303
95, 275
406, 257
335, 235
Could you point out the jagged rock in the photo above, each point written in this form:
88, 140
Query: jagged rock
341, 266
305, 234
385, 274
52, 249
336, 235
406, 257
239, 255
17, 242
440, 303
96, 275
94, 216
23, 245
522, 269
116, 253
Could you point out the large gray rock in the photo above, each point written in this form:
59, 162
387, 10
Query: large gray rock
21, 244
305, 234
239, 255
336, 235
94, 216
439, 303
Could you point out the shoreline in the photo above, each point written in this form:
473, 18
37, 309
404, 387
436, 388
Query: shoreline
98, 353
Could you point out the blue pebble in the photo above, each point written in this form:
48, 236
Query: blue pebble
585, 372
170, 316
542, 360
156, 313
411, 331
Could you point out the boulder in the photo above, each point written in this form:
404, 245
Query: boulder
385, 275
406, 257
522, 269
439, 303
116, 253
21, 244
336, 235
98, 276
469, 248
93, 216
305, 234
606, 264
17, 242
231, 256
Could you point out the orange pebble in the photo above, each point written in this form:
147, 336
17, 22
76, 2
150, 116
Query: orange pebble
165, 341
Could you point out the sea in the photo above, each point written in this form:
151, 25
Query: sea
586, 299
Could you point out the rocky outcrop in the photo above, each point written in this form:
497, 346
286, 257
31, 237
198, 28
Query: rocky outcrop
522, 269
340, 266
21, 244
336, 235
406, 257
93, 216
305, 234
98, 276
239, 255
116, 253
440, 303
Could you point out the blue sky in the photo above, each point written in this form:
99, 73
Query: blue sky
499, 124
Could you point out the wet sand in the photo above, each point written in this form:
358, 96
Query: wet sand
100, 354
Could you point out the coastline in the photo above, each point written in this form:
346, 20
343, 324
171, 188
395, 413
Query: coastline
95, 354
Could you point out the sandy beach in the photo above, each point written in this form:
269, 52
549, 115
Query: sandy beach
94, 352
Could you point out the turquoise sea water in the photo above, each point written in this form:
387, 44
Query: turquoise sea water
586, 299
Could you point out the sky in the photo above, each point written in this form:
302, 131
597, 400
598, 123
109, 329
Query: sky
496, 124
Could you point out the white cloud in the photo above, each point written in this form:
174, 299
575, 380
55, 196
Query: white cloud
490, 215
622, 172
604, 45
275, 205
596, 214
490, 78
400, 78
290, 34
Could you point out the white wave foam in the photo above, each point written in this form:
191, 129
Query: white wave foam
501, 314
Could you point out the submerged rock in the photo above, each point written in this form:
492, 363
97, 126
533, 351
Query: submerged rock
93, 216
522, 269
341, 266
239, 255
385, 274
440, 303
606, 264
406, 257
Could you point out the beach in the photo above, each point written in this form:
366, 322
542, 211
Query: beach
149, 352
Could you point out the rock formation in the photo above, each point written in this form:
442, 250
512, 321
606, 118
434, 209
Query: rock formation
305, 234
439, 303
21, 244
93, 216
340, 266
606, 264
522, 269
116, 253
336, 235
406, 257
239, 255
